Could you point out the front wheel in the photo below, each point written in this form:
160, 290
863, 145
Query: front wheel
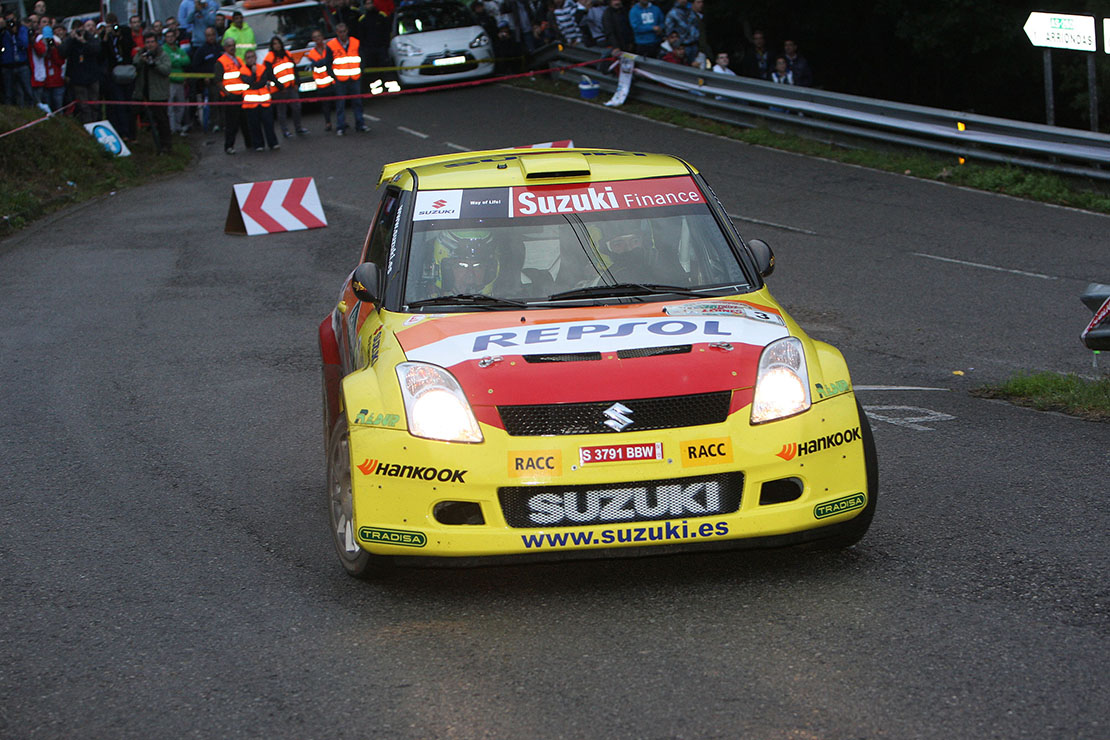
355, 560
852, 531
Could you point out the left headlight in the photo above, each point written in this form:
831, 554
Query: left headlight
782, 384
479, 40
408, 49
435, 404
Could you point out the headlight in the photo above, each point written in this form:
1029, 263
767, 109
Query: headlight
408, 49
479, 40
435, 404
782, 384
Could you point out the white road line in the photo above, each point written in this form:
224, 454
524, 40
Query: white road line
375, 119
895, 388
414, 133
985, 267
456, 147
734, 217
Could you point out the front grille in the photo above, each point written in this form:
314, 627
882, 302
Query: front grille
431, 71
636, 501
670, 412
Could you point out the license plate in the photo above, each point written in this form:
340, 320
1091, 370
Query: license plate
448, 61
620, 453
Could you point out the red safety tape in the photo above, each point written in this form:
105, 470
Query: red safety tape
37, 121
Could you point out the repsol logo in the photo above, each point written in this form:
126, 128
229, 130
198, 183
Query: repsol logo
535, 463
706, 451
394, 470
609, 330
796, 449
665, 501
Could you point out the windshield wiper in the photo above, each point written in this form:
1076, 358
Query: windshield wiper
623, 289
468, 299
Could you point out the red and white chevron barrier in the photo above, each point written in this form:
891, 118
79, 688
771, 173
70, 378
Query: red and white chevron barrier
273, 206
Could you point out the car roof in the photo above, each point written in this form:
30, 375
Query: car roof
519, 167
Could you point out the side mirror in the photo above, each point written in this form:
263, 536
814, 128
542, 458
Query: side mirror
365, 281
764, 257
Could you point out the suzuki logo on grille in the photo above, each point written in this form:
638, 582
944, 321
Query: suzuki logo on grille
439, 203
618, 417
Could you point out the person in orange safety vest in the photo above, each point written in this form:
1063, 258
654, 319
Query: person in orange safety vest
284, 71
320, 58
232, 88
346, 68
256, 102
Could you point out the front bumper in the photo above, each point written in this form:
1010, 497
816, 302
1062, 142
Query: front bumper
402, 485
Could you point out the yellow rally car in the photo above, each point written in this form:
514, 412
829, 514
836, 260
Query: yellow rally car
572, 353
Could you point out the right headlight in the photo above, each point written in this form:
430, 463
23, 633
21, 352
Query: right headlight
408, 49
782, 383
435, 404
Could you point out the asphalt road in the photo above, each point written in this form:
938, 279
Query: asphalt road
165, 567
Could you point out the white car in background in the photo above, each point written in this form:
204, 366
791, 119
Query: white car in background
439, 41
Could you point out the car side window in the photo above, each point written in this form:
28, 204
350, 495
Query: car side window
382, 229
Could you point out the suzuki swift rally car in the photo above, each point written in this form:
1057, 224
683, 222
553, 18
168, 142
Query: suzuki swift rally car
573, 353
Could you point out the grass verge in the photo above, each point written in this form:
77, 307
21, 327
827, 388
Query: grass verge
56, 163
1069, 394
1016, 181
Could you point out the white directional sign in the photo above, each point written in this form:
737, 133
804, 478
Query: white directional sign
1106, 35
1059, 31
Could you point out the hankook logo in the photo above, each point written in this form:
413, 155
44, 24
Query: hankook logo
618, 417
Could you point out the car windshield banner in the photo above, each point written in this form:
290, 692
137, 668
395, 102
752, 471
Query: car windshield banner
546, 200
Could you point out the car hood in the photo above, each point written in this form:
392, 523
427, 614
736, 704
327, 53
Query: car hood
453, 39
596, 354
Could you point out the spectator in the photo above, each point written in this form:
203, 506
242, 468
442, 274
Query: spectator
152, 84
135, 23
179, 62
593, 31
203, 61
232, 86
256, 102
39, 8
681, 20
799, 67
485, 20
319, 55
374, 31
220, 25
646, 21
669, 44
46, 68
83, 68
118, 82
676, 55
566, 20
757, 61
15, 44
704, 52
508, 52
782, 74
194, 16
283, 70
184, 39
241, 33
346, 68
618, 32
721, 66
156, 26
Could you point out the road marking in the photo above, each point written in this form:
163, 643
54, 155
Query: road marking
375, 119
911, 417
456, 147
414, 133
896, 388
797, 229
985, 267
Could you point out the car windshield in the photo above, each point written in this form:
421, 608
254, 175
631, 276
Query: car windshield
293, 25
432, 17
534, 243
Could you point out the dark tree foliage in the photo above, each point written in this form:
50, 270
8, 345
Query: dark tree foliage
966, 55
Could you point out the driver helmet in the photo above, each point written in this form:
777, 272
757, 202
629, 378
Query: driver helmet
466, 261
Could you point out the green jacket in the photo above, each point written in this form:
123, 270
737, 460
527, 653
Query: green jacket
154, 73
244, 38
179, 61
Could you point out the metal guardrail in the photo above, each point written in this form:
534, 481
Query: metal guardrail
743, 101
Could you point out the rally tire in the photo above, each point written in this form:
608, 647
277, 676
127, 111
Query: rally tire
852, 531
356, 561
